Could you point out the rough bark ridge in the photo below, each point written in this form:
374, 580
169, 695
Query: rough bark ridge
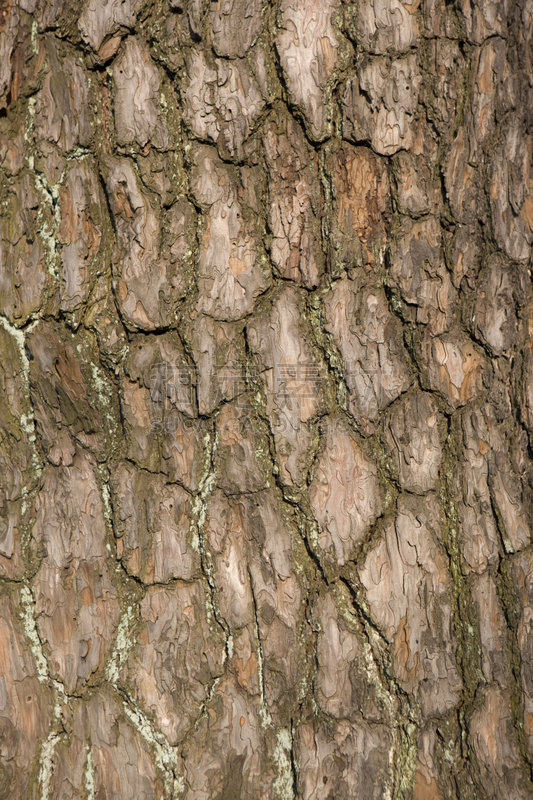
266, 399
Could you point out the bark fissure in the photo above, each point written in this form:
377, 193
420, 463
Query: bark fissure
266, 400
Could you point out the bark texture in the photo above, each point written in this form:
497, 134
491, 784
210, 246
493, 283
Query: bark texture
266, 408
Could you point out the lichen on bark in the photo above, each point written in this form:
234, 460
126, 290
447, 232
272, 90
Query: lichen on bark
266, 399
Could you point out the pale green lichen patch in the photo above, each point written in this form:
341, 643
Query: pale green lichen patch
27, 615
123, 644
30, 629
26, 419
47, 764
166, 756
89, 776
284, 783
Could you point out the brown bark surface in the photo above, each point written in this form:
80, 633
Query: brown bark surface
266, 400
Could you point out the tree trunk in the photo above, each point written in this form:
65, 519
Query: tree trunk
266, 399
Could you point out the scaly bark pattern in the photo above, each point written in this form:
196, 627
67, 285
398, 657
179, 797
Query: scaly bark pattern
266, 407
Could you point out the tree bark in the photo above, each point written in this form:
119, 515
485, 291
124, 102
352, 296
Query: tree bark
266, 406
